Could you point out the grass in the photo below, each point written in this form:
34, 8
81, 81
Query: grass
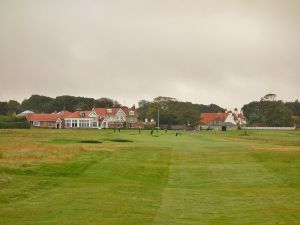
101, 177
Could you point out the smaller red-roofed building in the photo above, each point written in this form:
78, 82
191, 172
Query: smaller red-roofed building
221, 121
53, 120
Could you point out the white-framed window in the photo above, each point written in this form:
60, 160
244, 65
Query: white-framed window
131, 113
36, 123
109, 110
67, 123
84, 123
74, 123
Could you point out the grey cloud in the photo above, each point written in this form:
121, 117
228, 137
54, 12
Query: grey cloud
225, 52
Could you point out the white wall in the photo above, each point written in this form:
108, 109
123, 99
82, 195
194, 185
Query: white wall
269, 128
230, 119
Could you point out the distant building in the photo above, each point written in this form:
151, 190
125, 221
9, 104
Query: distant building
221, 121
54, 120
95, 118
26, 112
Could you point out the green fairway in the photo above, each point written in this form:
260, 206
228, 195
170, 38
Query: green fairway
102, 177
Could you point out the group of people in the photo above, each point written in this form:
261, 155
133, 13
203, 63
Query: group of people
151, 132
166, 130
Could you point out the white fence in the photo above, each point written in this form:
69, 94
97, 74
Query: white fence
269, 128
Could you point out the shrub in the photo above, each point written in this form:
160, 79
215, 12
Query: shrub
13, 122
149, 127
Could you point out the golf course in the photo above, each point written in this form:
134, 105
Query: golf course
51, 176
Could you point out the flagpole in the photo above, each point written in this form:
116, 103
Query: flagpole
157, 118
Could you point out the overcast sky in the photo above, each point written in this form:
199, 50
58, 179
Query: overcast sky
228, 52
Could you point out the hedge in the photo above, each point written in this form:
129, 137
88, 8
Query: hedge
14, 125
13, 122
12, 119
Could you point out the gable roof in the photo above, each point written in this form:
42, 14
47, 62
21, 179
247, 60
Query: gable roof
105, 111
45, 116
78, 114
212, 118
208, 118
42, 117
127, 110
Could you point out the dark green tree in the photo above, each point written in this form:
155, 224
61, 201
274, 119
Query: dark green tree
82, 106
174, 112
104, 102
71, 103
38, 104
3, 108
294, 107
13, 107
268, 113
143, 108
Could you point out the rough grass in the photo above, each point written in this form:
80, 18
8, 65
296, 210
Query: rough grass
18, 154
55, 177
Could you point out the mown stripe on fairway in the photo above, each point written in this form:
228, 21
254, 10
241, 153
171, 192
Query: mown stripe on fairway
219, 183
120, 187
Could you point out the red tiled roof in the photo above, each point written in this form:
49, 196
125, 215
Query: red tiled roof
127, 110
45, 116
78, 114
42, 117
208, 118
104, 111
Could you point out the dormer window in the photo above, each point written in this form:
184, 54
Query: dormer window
82, 114
109, 110
131, 113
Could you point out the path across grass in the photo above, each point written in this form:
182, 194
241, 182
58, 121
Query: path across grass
87, 177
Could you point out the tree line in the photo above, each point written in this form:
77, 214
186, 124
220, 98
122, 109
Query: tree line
173, 112
44, 104
271, 112
266, 112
